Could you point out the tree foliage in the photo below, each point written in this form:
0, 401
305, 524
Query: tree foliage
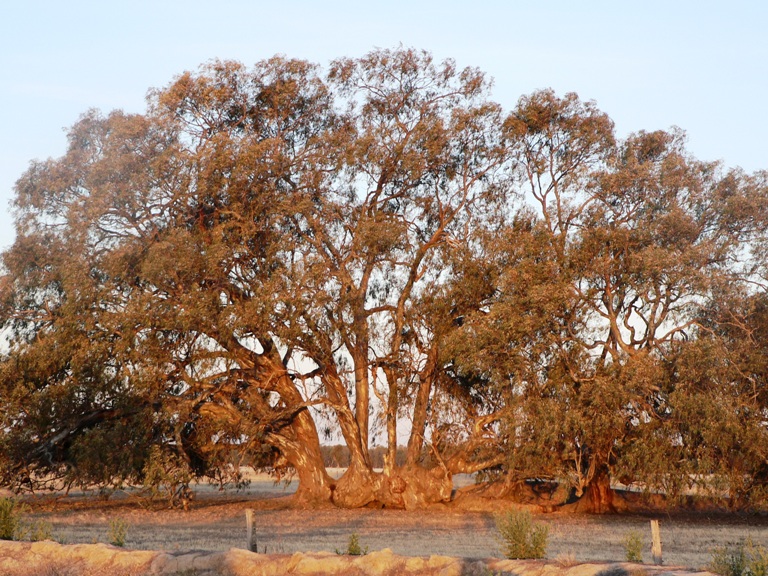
383, 255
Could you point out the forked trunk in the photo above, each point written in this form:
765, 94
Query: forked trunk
356, 488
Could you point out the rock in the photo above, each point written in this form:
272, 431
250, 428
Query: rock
415, 564
239, 562
24, 558
380, 563
193, 562
91, 557
439, 561
317, 564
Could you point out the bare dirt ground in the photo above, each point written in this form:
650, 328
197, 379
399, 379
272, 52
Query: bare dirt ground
216, 522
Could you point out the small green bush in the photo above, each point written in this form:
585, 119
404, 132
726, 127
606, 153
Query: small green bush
118, 530
35, 531
633, 546
353, 547
744, 558
13, 526
520, 537
10, 518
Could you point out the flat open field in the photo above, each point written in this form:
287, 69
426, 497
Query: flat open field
217, 522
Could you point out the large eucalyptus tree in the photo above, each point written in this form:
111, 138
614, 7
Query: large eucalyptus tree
381, 254
192, 284
604, 296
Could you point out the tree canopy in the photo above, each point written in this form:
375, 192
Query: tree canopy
379, 253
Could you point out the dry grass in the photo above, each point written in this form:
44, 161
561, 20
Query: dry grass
566, 560
217, 522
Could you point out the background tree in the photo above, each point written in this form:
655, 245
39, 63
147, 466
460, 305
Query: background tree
601, 293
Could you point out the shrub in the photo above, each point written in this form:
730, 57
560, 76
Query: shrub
10, 518
566, 560
14, 527
118, 529
633, 546
741, 559
353, 547
35, 531
520, 537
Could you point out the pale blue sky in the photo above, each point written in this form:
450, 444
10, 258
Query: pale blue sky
652, 64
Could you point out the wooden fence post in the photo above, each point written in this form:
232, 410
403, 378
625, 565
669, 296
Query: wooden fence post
656, 539
250, 532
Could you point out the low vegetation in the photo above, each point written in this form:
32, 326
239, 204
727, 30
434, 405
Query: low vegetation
520, 537
353, 547
14, 525
633, 546
10, 518
118, 530
744, 558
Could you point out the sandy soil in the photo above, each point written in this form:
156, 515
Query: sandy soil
217, 522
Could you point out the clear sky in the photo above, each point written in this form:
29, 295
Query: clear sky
700, 65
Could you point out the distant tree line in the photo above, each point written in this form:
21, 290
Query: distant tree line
377, 251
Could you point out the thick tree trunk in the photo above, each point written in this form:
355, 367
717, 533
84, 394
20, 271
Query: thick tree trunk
300, 445
304, 455
420, 410
409, 487
302, 451
414, 487
315, 485
362, 397
357, 487
393, 402
348, 424
598, 498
